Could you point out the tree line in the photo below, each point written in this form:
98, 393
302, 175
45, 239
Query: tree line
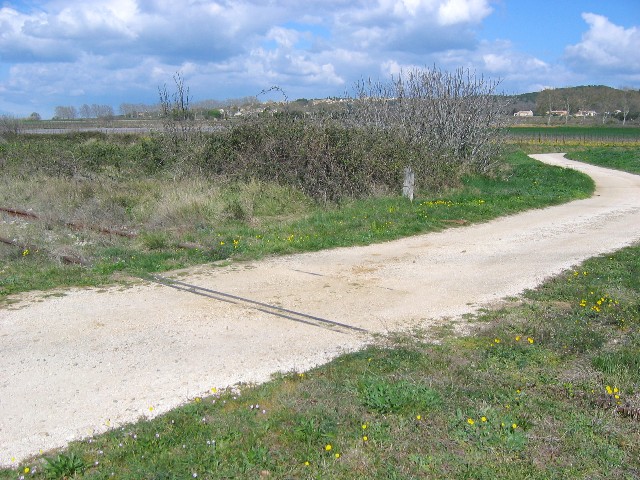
85, 111
607, 102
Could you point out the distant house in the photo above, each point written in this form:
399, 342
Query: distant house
523, 113
586, 113
558, 113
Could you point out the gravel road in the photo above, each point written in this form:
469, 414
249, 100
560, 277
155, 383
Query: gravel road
76, 364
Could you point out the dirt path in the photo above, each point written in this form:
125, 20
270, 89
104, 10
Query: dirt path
71, 365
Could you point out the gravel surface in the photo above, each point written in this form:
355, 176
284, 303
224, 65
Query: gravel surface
91, 359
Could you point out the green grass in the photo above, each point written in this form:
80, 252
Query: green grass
546, 387
250, 221
612, 130
618, 157
592, 131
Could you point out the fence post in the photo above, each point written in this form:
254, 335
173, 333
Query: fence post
409, 182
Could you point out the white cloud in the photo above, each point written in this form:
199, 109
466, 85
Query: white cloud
284, 37
453, 12
113, 51
605, 46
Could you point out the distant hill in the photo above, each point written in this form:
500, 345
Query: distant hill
619, 103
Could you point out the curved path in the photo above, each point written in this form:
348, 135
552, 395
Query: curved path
71, 366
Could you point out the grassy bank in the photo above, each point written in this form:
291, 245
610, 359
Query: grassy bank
188, 221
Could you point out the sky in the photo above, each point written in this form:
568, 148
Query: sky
110, 52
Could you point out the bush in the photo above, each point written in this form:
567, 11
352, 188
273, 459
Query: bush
442, 124
324, 159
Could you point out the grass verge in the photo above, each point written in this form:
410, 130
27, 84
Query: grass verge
547, 387
617, 157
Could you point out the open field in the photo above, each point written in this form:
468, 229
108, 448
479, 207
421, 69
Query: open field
618, 157
560, 135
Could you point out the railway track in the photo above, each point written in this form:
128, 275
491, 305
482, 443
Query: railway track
256, 305
66, 258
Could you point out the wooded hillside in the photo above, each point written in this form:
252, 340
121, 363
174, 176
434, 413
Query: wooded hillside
623, 104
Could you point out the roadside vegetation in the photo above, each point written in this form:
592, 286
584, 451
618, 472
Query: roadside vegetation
186, 221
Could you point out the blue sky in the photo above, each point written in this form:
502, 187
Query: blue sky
71, 52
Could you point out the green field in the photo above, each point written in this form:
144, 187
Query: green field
618, 157
570, 135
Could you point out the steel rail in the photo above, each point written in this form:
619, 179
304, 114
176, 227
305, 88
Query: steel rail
260, 306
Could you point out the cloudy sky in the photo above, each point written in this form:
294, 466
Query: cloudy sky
71, 52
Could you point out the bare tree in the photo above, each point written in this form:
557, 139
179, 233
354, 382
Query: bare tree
85, 111
176, 105
9, 125
175, 110
625, 103
451, 119
65, 113
567, 110
550, 99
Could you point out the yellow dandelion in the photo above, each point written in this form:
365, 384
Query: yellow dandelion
609, 390
337, 455
365, 438
497, 340
306, 464
470, 421
514, 425
418, 417
328, 447
26, 470
483, 419
529, 339
517, 338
